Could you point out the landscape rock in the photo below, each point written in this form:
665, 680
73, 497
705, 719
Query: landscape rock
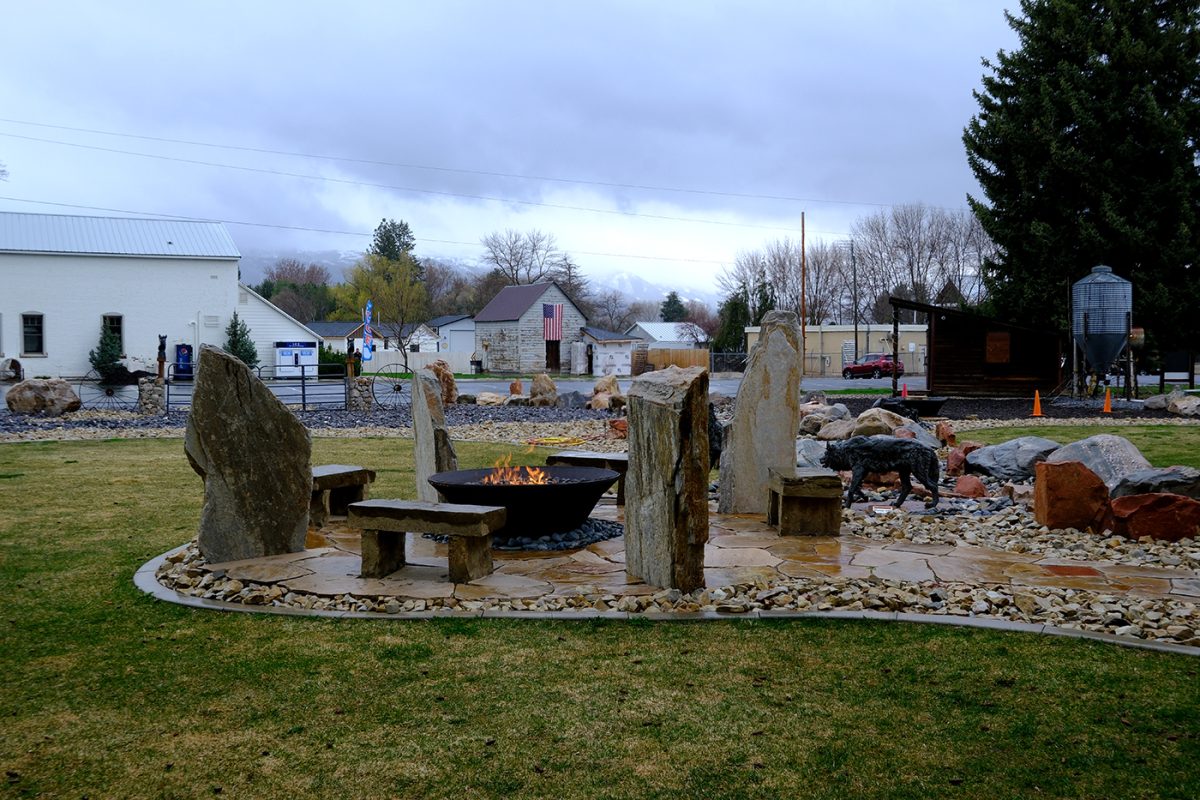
516, 387
255, 459
836, 430
766, 417
542, 391
600, 401
607, 385
517, 400
489, 399
666, 487
1109, 457
1159, 402
970, 486
433, 451
445, 377
1168, 517
1185, 405
51, 397
1066, 494
956, 459
876, 421
618, 428
1169, 480
573, 400
809, 452
917, 431
1012, 460
944, 431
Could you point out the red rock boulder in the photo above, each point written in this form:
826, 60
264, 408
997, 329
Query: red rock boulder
1169, 517
945, 433
970, 486
956, 461
1069, 495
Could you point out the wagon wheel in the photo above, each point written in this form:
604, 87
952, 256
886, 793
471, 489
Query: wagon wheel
96, 393
388, 391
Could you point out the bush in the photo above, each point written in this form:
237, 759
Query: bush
106, 358
238, 342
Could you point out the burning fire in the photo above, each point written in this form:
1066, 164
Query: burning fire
504, 473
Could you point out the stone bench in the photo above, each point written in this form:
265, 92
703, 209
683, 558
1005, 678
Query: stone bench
335, 487
804, 501
386, 523
617, 462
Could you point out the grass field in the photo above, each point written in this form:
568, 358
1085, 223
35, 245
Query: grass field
107, 693
1162, 445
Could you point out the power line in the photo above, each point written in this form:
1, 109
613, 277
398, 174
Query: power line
347, 181
456, 170
341, 233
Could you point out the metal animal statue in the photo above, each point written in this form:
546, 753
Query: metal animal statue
863, 454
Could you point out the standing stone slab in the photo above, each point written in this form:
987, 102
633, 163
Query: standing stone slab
666, 486
766, 419
255, 458
432, 448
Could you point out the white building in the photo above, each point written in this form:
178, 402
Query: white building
607, 352
63, 277
455, 332
667, 335
273, 329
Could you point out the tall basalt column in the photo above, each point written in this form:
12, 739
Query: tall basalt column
666, 487
255, 459
432, 448
766, 417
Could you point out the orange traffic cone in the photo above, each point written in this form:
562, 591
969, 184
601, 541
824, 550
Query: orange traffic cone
904, 391
1107, 401
1037, 404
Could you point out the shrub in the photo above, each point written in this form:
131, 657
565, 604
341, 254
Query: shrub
106, 358
238, 342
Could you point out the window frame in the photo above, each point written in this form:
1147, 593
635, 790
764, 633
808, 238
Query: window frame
104, 325
41, 334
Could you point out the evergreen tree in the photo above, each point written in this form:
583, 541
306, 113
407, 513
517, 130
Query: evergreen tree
673, 309
735, 316
238, 342
106, 358
394, 241
1085, 146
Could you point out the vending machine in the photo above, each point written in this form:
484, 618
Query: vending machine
295, 359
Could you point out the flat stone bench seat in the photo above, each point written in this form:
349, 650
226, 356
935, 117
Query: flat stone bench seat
617, 462
804, 501
335, 487
386, 523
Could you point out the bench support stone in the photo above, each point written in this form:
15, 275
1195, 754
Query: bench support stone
387, 523
804, 501
335, 487
382, 552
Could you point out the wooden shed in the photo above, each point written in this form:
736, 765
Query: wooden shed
975, 356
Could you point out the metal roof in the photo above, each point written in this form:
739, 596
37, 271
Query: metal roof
511, 302
448, 319
116, 236
662, 331
334, 327
601, 335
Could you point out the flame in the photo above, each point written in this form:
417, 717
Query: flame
503, 472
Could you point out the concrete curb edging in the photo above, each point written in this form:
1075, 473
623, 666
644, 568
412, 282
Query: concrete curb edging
145, 580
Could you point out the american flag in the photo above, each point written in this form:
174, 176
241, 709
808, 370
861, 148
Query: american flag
552, 318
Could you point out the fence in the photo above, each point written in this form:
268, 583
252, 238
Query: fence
393, 361
306, 387
660, 357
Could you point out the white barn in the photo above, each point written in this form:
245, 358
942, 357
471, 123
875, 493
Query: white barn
63, 277
668, 335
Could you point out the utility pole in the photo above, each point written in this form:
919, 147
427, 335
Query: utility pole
854, 273
803, 287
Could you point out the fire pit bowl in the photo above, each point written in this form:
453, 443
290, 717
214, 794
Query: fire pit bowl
561, 504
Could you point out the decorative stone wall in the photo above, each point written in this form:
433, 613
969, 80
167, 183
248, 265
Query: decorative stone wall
358, 395
766, 418
666, 487
152, 396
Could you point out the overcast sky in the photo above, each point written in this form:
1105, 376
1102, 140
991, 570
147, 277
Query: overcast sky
657, 138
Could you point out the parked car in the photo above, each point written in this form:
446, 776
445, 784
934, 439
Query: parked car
873, 365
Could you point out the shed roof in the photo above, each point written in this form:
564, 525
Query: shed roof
513, 301
662, 331
335, 327
119, 236
601, 335
448, 319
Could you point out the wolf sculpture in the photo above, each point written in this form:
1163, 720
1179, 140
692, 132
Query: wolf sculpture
863, 454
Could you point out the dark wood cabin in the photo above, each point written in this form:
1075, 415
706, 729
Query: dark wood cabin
975, 356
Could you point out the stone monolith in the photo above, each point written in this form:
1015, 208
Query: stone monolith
432, 449
255, 458
666, 487
766, 418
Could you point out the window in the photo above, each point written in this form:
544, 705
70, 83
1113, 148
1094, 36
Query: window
33, 339
114, 324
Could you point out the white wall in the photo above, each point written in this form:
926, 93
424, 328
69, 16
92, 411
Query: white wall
612, 358
269, 325
188, 300
393, 361
457, 337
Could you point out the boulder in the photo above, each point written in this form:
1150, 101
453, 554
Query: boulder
875, 421
1018, 492
917, 431
1066, 494
52, 397
1167, 480
572, 400
1169, 517
945, 433
666, 486
970, 486
766, 418
897, 407
956, 460
466, 400
445, 377
1012, 460
600, 401
813, 423
1186, 406
517, 400
516, 387
489, 399
809, 452
836, 430
254, 457
607, 385
1109, 457
433, 451
716, 435
542, 391
1158, 402
618, 428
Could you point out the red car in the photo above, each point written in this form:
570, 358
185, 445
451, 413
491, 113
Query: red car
873, 365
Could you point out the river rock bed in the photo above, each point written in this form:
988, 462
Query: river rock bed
590, 532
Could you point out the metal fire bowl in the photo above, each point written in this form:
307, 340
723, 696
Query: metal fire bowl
533, 510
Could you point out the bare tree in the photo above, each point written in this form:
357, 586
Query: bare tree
643, 311
611, 310
826, 279
523, 257
295, 304
291, 270
703, 322
570, 278
450, 289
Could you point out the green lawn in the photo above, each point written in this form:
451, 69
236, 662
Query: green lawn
1162, 445
108, 693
